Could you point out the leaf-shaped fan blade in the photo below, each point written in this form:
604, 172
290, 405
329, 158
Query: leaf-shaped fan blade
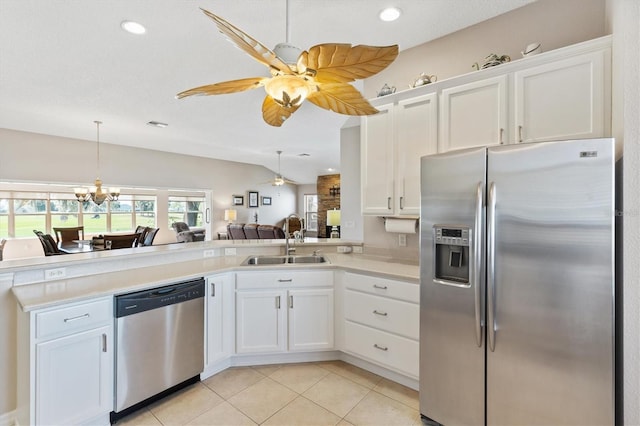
225, 87
248, 44
342, 98
274, 114
343, 63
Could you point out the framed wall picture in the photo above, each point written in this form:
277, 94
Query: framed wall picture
266, 201
253, 199
238, 200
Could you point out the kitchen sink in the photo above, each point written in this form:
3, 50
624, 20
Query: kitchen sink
283, 260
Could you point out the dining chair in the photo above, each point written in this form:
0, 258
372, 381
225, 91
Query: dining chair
141, 231
119, 241
69, 233
49, 245
2, 243
148, 237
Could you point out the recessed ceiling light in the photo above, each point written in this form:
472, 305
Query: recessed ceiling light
390, 14
133, 27
157, 124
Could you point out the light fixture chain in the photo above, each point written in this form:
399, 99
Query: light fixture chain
98, 123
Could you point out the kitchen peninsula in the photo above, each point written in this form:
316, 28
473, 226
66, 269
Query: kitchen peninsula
358, 308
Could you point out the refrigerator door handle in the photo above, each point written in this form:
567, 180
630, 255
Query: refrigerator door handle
491, 234
477, 260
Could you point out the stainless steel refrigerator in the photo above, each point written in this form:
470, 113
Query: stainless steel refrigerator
517, 285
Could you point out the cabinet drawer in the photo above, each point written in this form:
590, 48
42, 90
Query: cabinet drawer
386, 314
384, 287
67, 319
280, 279
384, 348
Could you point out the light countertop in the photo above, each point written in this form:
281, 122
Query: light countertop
51, 293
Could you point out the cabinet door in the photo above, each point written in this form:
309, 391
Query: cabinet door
416, 135
376, 147
310, 319
74, 376
220, 327
562, 100
474, 114
260, 321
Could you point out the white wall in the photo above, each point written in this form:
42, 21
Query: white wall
624, 22
30, 157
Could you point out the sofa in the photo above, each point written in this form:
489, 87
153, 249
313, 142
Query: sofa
254, 231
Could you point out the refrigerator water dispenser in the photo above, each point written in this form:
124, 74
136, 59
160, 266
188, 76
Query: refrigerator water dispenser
451, 254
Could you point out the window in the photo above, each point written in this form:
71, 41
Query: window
29, 215
187, 209
23, 212
311, 212
4, 217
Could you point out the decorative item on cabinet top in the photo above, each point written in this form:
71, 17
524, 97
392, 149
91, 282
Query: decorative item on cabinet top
491, 61
386, 90
531, 49
423, 79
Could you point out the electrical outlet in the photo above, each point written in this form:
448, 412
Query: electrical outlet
209, 253
402, 240
357, 249
344, 249
230, 251
55, 274
349, 224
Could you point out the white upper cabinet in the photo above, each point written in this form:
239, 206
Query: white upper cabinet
558, 95
416, 136
474, 114
377, 161
562, 100
392, 143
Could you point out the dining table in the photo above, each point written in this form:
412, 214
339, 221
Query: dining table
75, 246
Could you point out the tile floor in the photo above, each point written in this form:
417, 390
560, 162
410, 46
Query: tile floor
318, 393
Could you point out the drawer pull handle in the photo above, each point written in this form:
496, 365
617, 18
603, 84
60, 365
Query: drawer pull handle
382, 348
384, 314
76, 318
381, 287
286, 281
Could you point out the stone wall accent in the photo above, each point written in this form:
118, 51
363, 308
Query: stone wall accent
326, 201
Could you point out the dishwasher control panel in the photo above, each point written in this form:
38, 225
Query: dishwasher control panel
140, 301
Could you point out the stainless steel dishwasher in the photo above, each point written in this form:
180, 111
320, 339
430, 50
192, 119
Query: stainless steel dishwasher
159, 343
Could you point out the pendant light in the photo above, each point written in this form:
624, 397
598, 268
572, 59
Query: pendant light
96, 193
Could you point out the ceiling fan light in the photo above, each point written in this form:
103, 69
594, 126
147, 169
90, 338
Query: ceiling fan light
278, 181
287, 90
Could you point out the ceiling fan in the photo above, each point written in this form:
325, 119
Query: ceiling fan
278, 180
320, 75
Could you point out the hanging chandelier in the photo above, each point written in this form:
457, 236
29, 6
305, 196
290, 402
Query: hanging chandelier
96, 193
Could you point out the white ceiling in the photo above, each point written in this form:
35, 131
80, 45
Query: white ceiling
66, 63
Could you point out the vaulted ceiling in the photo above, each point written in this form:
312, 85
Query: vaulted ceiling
66, 63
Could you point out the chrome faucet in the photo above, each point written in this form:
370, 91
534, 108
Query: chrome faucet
287, 235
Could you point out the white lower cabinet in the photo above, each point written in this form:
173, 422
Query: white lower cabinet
283, 311
65, 364
382, 321
219, 318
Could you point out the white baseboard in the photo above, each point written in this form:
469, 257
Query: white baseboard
286, 358
8, 419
